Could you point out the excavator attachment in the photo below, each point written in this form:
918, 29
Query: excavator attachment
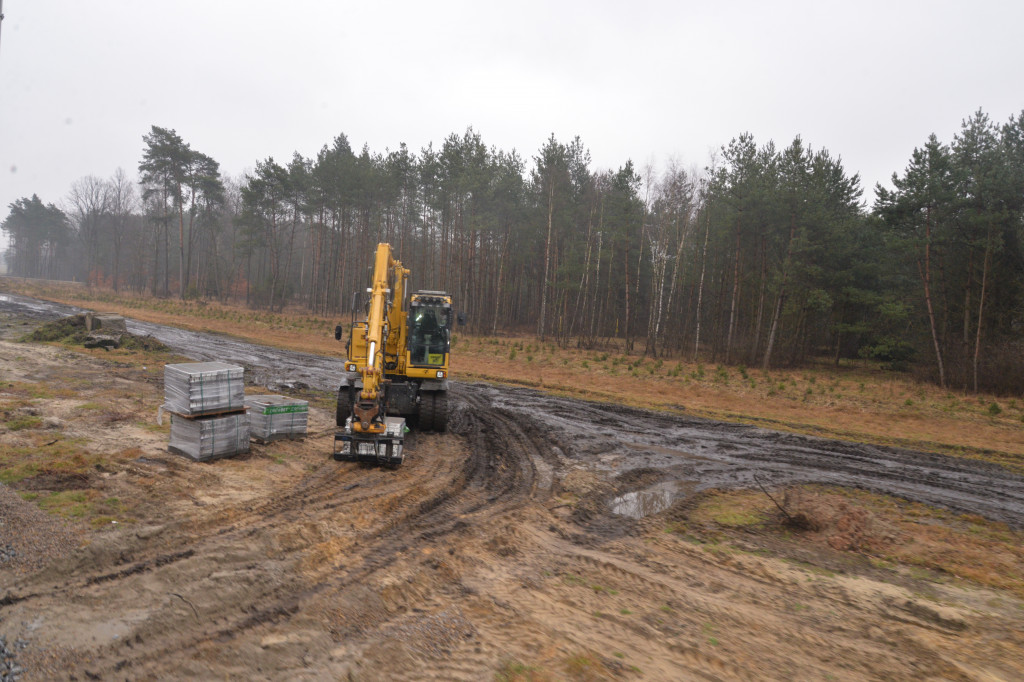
381, 448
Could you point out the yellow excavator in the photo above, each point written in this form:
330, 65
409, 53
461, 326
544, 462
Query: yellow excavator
397, 367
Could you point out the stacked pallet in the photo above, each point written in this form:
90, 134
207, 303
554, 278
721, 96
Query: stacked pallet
274, 417
207, 405
200, 388
212, 437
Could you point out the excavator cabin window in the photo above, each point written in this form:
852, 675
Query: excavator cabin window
429, 334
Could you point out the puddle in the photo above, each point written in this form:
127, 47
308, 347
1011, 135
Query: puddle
657, 498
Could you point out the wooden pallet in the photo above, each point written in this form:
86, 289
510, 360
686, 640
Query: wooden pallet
213, 458
276, 437
215, 413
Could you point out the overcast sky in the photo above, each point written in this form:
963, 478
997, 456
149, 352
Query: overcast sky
82, 81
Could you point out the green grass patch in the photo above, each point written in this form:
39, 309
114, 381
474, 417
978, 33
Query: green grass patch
72, 504
734, 510
516, 671
586, 667
55, 456
24, 421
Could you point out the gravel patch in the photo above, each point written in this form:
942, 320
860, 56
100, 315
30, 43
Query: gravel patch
29, 537
29, 540
10, 671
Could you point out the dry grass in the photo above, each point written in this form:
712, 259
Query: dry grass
884, 532
857, 401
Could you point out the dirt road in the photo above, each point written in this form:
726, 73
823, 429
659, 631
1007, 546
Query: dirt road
540, 539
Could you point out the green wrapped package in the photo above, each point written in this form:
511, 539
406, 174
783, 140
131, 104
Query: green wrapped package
273, 417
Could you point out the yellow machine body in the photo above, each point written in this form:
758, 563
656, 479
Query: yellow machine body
398, 357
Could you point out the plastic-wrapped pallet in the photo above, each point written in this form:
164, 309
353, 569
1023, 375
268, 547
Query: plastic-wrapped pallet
205, 438
195, 388
273, 417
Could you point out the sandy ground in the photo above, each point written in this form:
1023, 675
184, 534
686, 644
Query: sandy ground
492, 553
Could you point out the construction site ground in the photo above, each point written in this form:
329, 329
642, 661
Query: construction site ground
540, 538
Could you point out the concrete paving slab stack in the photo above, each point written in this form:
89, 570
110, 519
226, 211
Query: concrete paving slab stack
198, 388
206, 438
273, 417
207, 405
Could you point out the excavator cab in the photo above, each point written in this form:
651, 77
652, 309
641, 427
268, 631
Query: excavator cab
430, 320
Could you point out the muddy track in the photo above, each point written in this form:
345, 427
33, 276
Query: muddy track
469, 492
717, 454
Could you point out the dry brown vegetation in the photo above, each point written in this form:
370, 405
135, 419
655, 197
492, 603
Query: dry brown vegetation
855, 526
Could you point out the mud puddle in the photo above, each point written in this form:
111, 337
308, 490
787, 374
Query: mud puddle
641, 503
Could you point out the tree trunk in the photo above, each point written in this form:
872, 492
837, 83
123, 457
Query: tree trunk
597, 278
760, 303
766, 363
167, 258
700, 290
966, 343
181, 245
735, 297
117, 257
981, 304
501, 274
629, 342
676, 270
925, 272
583, 282
547, 260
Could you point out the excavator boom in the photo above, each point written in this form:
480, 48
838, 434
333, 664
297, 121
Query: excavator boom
388, 284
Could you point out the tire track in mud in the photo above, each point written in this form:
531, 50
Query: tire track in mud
718, 454
314, 498
488, 483
499, 475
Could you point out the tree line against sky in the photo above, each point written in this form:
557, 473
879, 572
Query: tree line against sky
767, 257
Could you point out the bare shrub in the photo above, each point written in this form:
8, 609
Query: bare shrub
804, 511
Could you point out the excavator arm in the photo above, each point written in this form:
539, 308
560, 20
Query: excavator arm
383, 316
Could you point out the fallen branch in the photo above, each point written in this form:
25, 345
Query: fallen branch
789, 518
194, 610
